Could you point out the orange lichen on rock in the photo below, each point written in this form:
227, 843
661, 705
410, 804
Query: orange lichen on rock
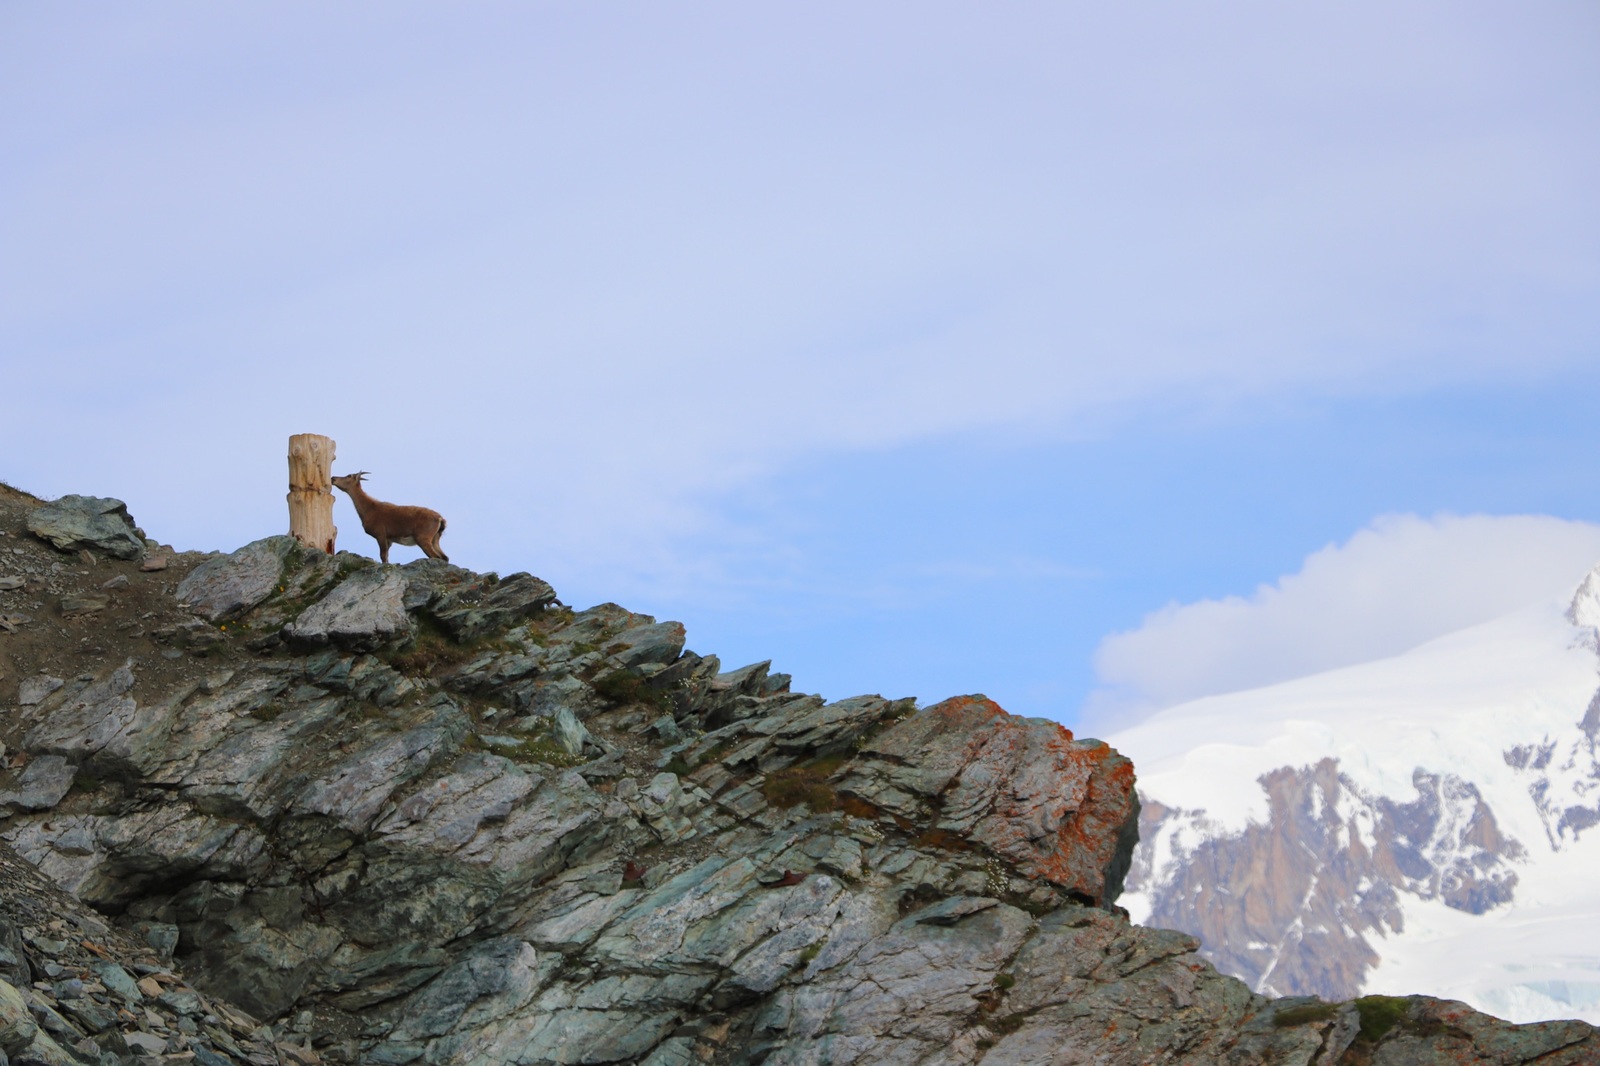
1024, 789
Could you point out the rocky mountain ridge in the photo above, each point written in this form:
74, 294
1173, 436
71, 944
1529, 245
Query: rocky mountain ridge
415, 814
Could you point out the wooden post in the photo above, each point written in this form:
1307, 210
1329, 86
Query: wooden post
311, 490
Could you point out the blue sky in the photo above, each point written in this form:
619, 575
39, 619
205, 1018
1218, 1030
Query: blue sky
921, 348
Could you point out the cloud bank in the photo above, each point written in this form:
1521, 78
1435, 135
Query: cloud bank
1400, 582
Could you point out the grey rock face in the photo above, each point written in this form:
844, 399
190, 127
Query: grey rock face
277, 569
928, 969
493, 979
569, 732
83, 719
73, 523
364, 612
667, 809
480, 789
227, 586
357, 789
40, 786
657, 643
468, 605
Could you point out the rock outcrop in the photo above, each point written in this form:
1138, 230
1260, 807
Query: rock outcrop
413, 814
75, 523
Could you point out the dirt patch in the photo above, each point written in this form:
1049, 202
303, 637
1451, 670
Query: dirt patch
75, 614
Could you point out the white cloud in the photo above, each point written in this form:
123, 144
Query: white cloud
1398, 583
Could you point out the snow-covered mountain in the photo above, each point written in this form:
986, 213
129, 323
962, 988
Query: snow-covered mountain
1426, 823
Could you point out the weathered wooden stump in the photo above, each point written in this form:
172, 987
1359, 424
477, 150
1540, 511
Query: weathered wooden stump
311, 490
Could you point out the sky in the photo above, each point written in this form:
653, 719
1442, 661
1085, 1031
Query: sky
1091, 357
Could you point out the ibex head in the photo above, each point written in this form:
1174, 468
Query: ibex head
350, 482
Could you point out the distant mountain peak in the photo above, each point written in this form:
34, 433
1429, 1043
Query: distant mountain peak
1355, 810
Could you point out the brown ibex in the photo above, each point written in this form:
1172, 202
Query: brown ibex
389, 523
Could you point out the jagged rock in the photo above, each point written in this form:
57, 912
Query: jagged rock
1059, 809
227, 586
667, 808
25, 1042
549, 696
737, 694
363, 612
74, 523
833, 727
255, 948
491, 671
666, 728
905, 995
117, 980
40, 786
364, 677
468, 605
597, 624
752, 680
257, 770
111, 861
655, 643
149, 1043
79, 1012
568, 732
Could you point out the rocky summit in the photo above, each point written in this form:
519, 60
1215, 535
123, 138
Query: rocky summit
277, 806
